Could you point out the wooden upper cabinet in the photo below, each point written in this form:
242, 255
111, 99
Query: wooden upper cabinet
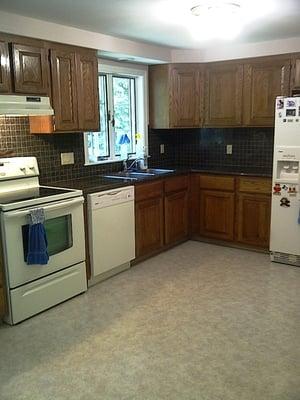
263, 81
175, 96
186, 96
223, 94
30, 69
87, 86
5, 77
295, 81
64, 89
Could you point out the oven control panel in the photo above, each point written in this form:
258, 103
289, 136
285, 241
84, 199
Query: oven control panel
18, 167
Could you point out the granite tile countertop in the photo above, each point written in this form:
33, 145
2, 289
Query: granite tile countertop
100, 183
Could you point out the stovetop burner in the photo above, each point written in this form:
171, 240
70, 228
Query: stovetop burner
30, 194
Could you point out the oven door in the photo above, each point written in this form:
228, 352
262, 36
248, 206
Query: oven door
64, 226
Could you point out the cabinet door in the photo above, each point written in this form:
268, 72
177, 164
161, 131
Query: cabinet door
149, 226
217, 214
176, 216
30, 69
87, 86
223, 95
64, 90
295, 83
186, 96
5, 78
253, 219
263, 81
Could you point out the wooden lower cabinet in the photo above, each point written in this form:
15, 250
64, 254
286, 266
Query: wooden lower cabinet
176, 216
149, 222
217, 214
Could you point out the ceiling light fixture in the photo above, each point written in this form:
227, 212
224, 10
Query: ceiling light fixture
215, 7
216, 19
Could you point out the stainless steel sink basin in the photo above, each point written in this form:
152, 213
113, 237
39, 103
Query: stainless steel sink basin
135, 175
157, 171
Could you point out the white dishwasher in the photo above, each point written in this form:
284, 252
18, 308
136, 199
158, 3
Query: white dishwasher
111, 231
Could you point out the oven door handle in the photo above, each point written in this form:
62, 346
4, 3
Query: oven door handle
58, 205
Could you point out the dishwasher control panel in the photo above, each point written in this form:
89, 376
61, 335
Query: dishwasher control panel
112, 197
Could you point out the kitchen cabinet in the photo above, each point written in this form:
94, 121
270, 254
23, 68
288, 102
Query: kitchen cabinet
176, 209
223, 94
217, 214
229, 208
64, 89
295, 80
254, 211
30, 69
175, 96
264, 80
5, 75
75, 98
87, 87
149, 218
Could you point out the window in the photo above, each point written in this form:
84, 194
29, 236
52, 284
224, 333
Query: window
122, 117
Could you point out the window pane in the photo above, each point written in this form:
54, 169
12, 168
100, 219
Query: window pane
98, 142
124, 111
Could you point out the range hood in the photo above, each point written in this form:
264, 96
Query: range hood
14, 105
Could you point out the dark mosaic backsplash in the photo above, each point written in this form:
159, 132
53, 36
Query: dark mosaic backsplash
15, 136
194, 148
206, 148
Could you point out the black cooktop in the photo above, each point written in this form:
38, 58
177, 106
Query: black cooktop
30, 194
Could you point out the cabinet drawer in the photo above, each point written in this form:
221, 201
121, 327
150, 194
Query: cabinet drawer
254, 185
148, 190
215, 182
176, 183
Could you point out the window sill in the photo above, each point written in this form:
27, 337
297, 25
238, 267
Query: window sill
133, 157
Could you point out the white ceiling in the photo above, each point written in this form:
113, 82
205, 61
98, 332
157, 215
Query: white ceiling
163, 22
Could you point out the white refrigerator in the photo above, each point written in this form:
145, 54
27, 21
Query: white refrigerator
285, 215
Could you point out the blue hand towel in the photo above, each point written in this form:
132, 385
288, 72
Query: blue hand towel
37, 238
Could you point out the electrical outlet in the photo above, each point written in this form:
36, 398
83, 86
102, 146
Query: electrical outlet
67, 158
229, 149
162, 148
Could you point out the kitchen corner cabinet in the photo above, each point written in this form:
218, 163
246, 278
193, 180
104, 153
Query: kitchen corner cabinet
228, 208
175, 96
254, 211
264, 80
149, 218
176, 209
5, 76
217, 205
223, 94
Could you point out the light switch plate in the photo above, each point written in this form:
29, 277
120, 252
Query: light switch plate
67, 158
162, 149
229, 149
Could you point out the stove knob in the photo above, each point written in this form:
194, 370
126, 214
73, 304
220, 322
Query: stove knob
23, 169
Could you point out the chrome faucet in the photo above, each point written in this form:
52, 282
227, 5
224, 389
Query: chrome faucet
134, 162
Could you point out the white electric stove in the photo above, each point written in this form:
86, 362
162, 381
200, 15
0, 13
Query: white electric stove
31, 289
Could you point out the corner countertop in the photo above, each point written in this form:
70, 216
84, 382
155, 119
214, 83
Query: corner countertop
100, 183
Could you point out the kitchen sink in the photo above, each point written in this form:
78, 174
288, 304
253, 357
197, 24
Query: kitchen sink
135, 175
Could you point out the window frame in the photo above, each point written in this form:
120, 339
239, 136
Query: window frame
141, 114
